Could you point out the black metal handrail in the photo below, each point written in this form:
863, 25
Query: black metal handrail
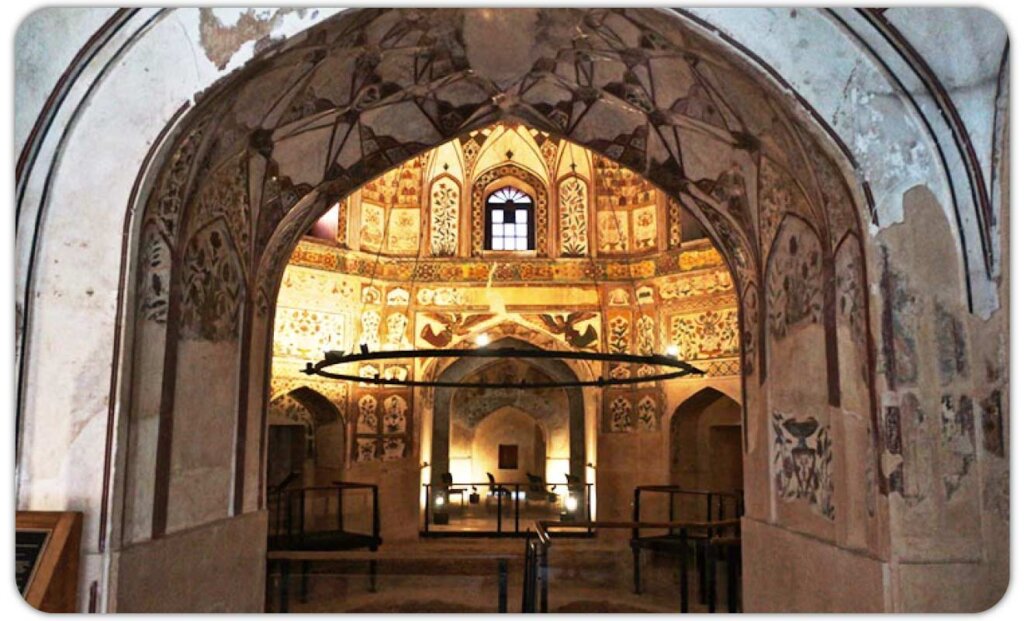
509, 496
536, 578
712, 498
712, 504
276, 489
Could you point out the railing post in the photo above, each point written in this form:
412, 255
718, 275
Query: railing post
534, 574
635, 542
376, 519
287, 498
302, 515
637, 584
588, 490
516, 501
283, 587
711, 590
732, 564
502, 585
700, 552
636, 511
544, 578
427, 508
304, 582
498, 491
527, 566
684, 578
273, 500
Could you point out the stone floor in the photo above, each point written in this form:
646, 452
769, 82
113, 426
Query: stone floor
455, 576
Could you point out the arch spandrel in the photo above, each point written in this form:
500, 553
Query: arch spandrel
368, 134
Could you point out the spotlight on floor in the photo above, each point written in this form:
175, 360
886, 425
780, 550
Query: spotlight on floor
440, 509
570, 504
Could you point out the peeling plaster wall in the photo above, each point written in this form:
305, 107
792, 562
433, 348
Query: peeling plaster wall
946, 427
62, 453
44, 46
964, 47
854, 95
226, 33
863, 101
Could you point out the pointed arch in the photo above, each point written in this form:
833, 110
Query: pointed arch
464, 367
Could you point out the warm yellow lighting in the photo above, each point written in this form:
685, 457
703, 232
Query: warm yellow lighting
439, 501
672, 351
482, 340
570, 503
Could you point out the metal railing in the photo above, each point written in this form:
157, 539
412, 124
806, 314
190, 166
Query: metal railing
708, 535
570, 502
344, 515
285, 482
708, 504
693, 504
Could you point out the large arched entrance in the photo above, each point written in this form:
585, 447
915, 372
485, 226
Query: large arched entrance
232, 185
776, 218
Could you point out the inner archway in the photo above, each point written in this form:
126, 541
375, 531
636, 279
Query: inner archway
307, 438
470, 407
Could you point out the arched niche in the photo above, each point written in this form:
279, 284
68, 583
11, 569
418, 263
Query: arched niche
692, 456
258, 174
324, 429
509, 424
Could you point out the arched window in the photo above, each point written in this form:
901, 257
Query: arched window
509, 220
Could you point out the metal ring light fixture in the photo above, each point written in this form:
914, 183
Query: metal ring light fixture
331, 358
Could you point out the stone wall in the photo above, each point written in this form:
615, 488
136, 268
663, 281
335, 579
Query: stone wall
214, 568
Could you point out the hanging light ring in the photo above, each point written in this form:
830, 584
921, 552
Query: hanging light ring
332, 358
